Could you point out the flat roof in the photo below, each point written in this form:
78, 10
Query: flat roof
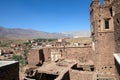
4, 63
117, 57
55, 68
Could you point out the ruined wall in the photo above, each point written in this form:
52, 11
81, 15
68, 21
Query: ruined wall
47, 54
80, 75
105, 53
103, 37
107, 77
38, 56
75, 53
116, 17
117, 32
106, 40
33, 57
10, 72
105, 34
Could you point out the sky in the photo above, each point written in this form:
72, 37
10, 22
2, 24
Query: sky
46, 15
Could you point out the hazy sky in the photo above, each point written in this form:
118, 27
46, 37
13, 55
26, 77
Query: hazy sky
46, 15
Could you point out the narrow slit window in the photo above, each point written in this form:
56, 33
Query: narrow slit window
111, 12
118, 21
107, 26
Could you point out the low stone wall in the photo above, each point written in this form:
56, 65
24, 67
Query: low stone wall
81, 75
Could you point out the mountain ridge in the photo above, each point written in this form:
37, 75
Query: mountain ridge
18, 33
77, 34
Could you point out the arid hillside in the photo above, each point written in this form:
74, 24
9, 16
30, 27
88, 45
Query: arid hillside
16, 33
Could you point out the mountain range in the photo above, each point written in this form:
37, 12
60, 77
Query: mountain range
17, 33
77, 34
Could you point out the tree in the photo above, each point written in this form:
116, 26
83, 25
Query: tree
19, 58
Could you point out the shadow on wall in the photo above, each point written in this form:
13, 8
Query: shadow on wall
41, 58
90, 68
117, 66
43, 76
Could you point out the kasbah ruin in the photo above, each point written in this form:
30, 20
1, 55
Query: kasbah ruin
99, 60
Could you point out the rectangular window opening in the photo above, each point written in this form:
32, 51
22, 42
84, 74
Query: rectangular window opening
107, 24
111, 12
118, 21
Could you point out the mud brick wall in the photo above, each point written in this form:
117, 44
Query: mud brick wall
76, 53
77, 75
33, 57
116, 17
38, 56
47, 54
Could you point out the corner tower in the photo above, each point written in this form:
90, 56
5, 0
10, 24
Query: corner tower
102, 33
